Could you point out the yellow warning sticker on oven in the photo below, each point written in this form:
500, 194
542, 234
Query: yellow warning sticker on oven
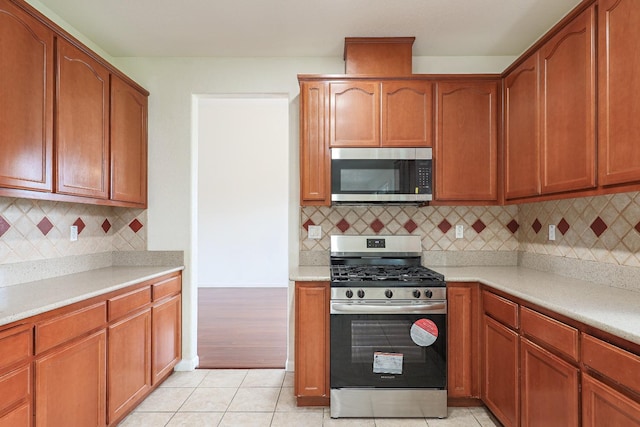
424, 332
387, 363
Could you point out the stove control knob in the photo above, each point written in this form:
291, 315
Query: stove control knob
416, 293
388, 293
360, 293
349, 293
428, 293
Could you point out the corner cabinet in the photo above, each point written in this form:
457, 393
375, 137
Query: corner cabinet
568, 107
522, 130
315, 157
26, 104
466, 144
312, 386
618, 84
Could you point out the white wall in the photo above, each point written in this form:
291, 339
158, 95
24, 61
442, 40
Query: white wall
243, 191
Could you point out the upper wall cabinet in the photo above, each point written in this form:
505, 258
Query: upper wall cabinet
568, 103
128, 143
354, 114
82, 132
522, 130
73, 128
396, 113
315, 177
466, 149
619, 85
26, 101
407, 113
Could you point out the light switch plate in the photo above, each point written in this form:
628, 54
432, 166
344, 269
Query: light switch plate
459, 231
73, 233
315, 232
552, 232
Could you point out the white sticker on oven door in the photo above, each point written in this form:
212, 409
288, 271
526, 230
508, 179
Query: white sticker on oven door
387, 363
424, 332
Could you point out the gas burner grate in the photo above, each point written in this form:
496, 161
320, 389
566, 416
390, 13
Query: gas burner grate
355, 273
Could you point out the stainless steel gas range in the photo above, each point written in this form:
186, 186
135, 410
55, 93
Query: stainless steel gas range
388, 329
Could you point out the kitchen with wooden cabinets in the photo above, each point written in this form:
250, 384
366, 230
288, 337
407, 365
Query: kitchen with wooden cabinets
539, 132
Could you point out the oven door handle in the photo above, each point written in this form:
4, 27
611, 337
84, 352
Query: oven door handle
372, 308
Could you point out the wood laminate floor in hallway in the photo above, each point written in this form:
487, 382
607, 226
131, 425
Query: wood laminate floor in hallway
242, 327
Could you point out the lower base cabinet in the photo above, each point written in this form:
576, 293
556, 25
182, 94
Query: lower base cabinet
312, 343
500, 386
129, 359
165, 335
70, 386
547, 382
604, 406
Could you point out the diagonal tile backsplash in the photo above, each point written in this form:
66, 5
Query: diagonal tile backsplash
603, 228
34, 229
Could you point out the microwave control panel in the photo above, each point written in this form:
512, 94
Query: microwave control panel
423, 176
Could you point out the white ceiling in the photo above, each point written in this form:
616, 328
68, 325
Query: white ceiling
261, 28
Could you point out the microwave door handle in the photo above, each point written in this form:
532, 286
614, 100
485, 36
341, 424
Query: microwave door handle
429, 308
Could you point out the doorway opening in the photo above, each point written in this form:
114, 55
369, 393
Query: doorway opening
242, 230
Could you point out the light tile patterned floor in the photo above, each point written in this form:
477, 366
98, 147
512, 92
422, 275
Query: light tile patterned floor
256, 398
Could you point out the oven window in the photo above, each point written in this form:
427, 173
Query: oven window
359, 342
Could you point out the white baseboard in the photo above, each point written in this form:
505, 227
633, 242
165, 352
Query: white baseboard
187, 364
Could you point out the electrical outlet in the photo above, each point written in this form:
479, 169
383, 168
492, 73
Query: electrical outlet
315, 232
73, 233
552, 232
459, 231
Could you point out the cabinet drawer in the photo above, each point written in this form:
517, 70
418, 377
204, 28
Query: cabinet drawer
20, 416
129, 302
167, 287
549, 332
71, 325
15, 345
617, 364
14, 387
500, 309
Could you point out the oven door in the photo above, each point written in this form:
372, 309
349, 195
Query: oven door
388, 351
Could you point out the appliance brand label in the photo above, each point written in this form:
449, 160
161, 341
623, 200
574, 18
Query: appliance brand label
424, 332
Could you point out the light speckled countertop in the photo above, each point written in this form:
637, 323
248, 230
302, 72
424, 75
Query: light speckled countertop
610, 309
24, 300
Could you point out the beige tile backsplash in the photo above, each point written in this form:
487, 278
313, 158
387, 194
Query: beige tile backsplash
618, 244
22, 240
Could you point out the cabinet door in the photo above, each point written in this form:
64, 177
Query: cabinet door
568, 107
521, 130
407, 114
618, 83
547, 382
604, 406
500, 386
165, 337
26, 101
315, 158
466, 152
129, 363
128, 143
312, 343
70, 384
15, 389
463, 330
82, 124
354, 114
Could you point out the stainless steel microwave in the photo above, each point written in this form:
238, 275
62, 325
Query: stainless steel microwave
378, 175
